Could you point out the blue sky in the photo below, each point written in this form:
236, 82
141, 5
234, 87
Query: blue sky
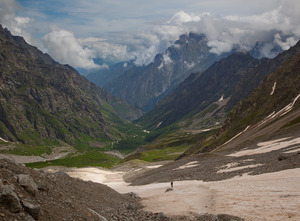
78, 31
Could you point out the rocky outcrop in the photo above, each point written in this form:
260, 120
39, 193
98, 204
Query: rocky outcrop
28, 184
27, 194
9, 198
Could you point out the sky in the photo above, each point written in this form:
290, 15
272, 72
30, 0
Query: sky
80, 32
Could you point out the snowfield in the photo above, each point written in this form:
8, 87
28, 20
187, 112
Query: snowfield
269, 196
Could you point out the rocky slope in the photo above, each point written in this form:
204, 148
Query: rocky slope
104, 76
143, 86
45, 102
272, 110
215, 91
29, 195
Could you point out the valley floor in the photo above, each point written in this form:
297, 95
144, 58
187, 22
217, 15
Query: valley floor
270, 196
259, 182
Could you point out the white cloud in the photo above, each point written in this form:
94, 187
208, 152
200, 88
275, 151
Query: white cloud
65, 48
285, 45
134, 29
182, 17
17, 25
105, 50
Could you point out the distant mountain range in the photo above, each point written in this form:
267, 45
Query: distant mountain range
205, 98
144, 86
43, 102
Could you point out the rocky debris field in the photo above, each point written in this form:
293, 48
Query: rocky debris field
28, 195
210, 166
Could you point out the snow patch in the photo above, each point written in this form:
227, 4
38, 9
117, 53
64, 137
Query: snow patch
3, 140
273, 89
165, 60
188, 165
236, 135
160, 66
221, 98
231, 168
282, 112
153, 167
159, 124
268, 146
273, 196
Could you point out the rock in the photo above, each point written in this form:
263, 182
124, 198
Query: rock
28, 184
29, 218
168, 190
134, 195
9, 198
282, 157
30, 207
161, 216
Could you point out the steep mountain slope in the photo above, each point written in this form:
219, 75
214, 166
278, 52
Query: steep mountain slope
45, 102
271, 111
103, 76
205, 98
144, 86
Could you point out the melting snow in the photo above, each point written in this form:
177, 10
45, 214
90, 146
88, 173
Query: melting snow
159, 124
270, 196
154, 166
265, 147
221, 98
236, 135
3, 140
188, 165
273, 89
282, 112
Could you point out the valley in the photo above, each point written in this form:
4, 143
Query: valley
224, 128
239, 184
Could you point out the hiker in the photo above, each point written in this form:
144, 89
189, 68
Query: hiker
172, 184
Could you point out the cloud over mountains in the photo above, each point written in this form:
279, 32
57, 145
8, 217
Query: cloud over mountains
78, 40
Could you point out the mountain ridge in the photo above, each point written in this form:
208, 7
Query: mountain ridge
44, 101
196, 93
143, 86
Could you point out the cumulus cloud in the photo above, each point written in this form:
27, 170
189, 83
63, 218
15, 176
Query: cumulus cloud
16, 24
278, 27
122, 35
65, 48
108, 51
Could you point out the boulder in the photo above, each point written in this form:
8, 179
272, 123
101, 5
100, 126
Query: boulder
32, 208
28, 184
9, 198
